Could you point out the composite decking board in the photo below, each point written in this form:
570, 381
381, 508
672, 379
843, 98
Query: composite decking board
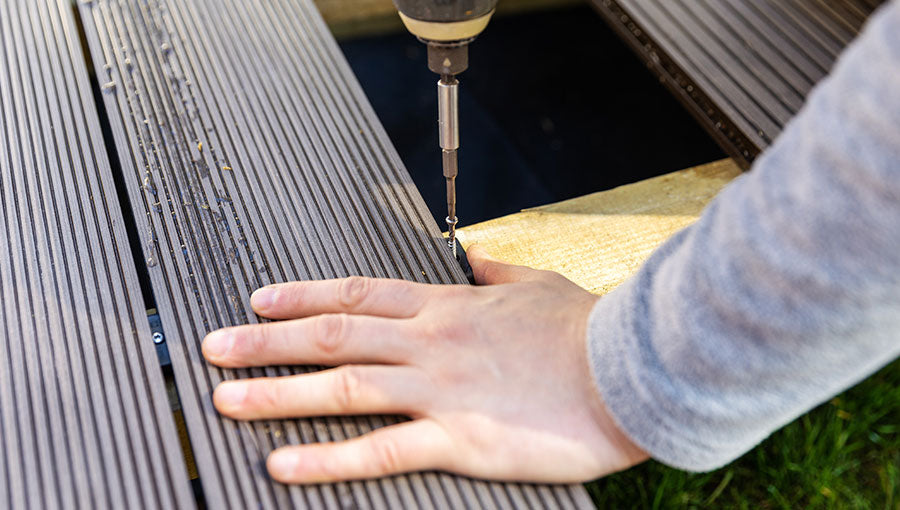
84, 416
709, 72
742, 67
252, 156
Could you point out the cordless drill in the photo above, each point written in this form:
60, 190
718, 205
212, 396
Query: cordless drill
447, 27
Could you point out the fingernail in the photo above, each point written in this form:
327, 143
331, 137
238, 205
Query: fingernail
218, 343
262, 299
230, 395
283, 464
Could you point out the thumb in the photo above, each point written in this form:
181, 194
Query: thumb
490, 271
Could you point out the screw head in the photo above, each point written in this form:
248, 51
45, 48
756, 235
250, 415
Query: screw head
158, 338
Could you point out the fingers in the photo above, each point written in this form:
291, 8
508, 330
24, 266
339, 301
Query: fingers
490, 271
329, 339
356, 295
410, 446
350, 389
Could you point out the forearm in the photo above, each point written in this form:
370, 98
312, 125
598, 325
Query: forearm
786, 291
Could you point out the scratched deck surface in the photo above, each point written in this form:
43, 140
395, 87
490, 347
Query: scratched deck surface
251, 156
83, 410
742, 67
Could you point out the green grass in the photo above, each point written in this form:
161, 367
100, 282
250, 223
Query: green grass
842, 454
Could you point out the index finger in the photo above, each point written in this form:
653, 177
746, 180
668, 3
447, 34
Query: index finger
354, 295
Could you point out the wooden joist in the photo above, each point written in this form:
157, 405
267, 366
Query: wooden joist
601, 239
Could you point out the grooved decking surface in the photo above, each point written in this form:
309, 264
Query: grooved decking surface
251, 156
84, 418
742, 67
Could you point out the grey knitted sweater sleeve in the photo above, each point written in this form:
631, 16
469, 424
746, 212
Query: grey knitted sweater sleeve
786, 290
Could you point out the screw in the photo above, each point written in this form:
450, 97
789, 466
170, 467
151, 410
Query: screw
158, 338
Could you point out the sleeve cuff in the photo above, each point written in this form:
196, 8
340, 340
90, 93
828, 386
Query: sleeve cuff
623, 371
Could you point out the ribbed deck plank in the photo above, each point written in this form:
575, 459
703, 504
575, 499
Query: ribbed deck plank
84, 417
742, 67
252, 156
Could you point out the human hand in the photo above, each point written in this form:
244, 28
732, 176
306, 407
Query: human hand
494, 377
